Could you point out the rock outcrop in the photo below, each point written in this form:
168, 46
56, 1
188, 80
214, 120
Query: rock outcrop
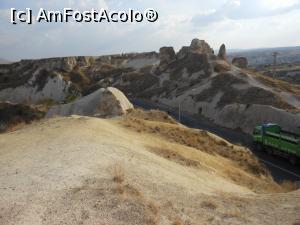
204, 83
107, 102
183, 52
166, 55
201, 47
222, 53
240, 62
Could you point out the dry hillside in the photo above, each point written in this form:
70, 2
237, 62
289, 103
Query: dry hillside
140, 169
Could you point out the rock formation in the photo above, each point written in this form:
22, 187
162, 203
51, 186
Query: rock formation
240, 62
183, 52
107, 102
200, 46
222, 53
166, 56
205, 83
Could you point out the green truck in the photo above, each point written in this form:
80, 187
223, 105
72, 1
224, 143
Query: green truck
274, 140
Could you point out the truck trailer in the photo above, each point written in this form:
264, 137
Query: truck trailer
274, 140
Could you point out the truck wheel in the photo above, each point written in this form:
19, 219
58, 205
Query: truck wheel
293, 160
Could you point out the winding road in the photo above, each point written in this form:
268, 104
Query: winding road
279, 168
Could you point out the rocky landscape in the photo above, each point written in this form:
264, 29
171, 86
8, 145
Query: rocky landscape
289, 72
264, 56
195, 78
74, 150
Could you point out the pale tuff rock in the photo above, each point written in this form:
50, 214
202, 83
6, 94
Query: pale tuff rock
107, 102
222, 53
200, 46
241, 62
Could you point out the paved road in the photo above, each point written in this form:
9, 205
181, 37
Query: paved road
278, 167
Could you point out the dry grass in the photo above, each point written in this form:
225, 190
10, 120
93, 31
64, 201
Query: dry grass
289, 186
200, 140
177, 221
117, 173
279, 84
131, 194
151, 115
15, 116
233, 214
175, 156
209, 205
238, 165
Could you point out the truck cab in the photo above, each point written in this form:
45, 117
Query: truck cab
257, 134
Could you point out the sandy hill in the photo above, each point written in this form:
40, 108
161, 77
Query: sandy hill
139, 169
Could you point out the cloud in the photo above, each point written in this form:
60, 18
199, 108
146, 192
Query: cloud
238, 23
246, 9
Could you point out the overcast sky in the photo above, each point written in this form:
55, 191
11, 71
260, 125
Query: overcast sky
240, 24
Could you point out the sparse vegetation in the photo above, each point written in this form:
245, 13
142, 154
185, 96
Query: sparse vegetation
233, 214
117, 173
14, 116
250, 172
177, 221
133, 195
70, 98
209, 205
289, 185
47, 102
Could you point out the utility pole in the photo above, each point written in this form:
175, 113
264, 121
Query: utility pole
275, 54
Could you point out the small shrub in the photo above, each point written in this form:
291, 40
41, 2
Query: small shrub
70, 98
233, 214
209, 205
117, 173
46, 102
177, 221
289, 186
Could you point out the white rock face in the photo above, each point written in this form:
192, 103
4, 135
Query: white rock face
56, 88
103, 103
138, 63
239, 116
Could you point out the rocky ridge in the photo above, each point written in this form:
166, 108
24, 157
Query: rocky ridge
202, 82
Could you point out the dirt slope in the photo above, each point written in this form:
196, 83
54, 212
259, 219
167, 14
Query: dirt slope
81, 170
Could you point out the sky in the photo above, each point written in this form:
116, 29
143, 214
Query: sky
240, 24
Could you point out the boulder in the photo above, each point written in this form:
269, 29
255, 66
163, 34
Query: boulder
166, 56
107, 102
200, 46
222, 53
240, 62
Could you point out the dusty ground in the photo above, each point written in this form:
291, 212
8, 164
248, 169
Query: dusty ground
80, 170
